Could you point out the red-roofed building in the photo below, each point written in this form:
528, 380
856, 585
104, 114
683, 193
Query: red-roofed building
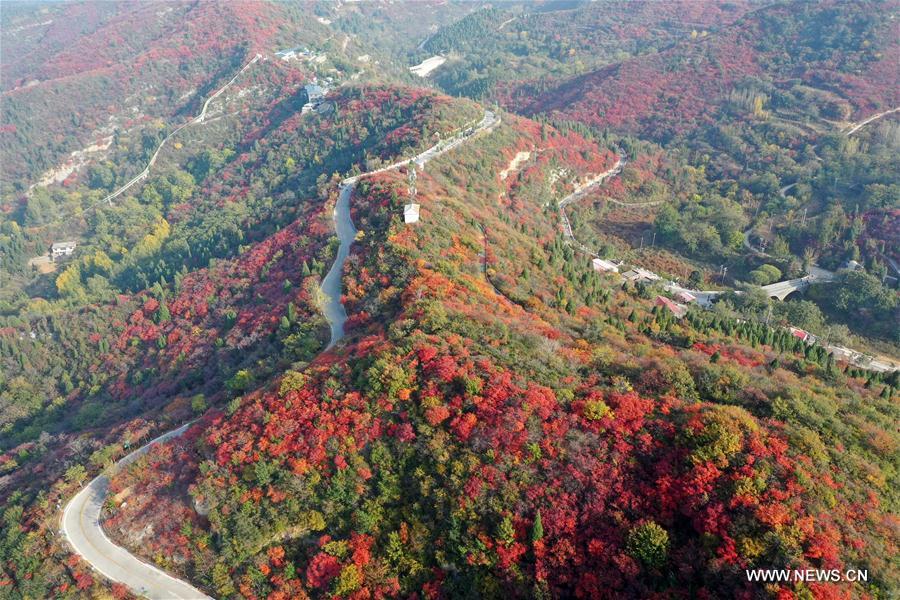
799, 333
679, 310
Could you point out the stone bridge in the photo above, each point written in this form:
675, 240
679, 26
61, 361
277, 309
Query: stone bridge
783, 289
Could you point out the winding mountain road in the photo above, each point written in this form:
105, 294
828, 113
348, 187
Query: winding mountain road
197, 120
784, 190
579, 193
488, 122
332, 307
80, 522
81, 527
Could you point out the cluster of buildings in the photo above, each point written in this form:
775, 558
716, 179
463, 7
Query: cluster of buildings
638, 275
605, 266
315, 93
679, 310
633, 275
301, 53
293, 53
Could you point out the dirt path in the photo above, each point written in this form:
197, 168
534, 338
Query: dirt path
580, 192
199, 119
515, 163
865, 122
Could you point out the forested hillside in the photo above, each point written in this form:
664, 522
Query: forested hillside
124, 65
491, 47
471, 438
183, 323
564, 371
844, 48
760, 166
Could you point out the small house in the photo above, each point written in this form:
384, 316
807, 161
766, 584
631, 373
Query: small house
411, 213
62, 249
799, 333
679, 310
685, 297
314, 93
638, 274
605, 266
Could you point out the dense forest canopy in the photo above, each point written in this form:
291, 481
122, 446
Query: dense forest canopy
622, 297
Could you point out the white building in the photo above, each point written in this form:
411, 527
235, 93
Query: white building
411, 213
605, 266
62, 249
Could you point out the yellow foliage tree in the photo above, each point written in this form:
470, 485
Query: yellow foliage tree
68, 284
151, 242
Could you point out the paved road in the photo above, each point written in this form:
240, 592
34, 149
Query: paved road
80, 522
334, 310
781, 192
853, 129
489, 121
199, 119
706, 298
81, 526
146, 172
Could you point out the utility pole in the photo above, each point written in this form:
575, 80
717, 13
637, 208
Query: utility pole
642, 242
653, 242
412, 182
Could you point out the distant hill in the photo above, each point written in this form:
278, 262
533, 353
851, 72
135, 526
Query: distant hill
514, 42
123, 62
849, 49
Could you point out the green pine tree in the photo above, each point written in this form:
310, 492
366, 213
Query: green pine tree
537, 529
